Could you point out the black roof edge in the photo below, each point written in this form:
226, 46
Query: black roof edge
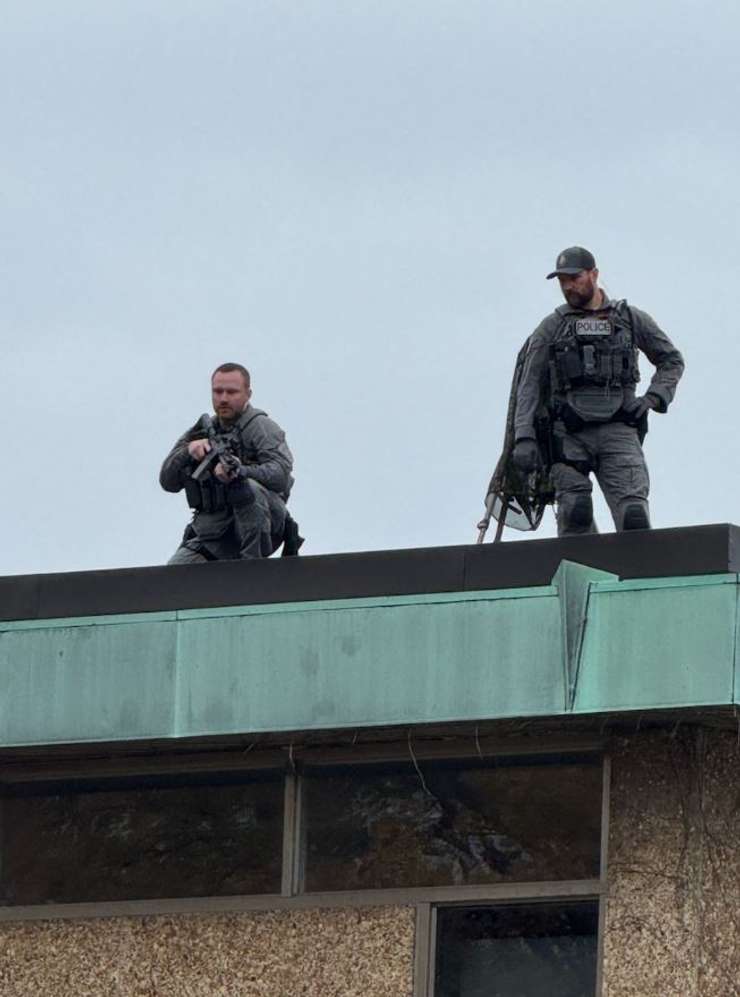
693, 550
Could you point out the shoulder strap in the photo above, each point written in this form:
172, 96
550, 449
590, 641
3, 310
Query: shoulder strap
622, 308
249, 416
623, 311
562, 327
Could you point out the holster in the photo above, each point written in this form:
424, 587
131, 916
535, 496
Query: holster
570, 419
560, 456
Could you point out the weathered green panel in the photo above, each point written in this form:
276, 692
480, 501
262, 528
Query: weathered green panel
582, 644
70, 683
662, 643
574, 583
403, 662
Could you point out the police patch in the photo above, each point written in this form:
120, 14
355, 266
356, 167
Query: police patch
593, 327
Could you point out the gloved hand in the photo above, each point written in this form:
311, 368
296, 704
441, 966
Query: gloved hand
637, 408
228, 468
526, 455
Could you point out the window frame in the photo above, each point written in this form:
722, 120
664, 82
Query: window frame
425, 955
425, 900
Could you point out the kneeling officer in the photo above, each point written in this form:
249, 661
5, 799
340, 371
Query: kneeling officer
574, 409
236, 472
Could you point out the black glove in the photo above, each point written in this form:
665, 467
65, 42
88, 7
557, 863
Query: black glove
526, 455
639, 406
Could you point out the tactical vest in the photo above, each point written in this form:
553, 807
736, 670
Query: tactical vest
594, 364
209, 494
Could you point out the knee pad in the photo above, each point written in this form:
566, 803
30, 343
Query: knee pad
635, 517
581, 513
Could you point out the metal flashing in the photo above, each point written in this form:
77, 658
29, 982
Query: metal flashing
584, 643
574, 583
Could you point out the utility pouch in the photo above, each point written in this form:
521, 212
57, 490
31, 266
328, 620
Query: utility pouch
589, 361
571, 367
595, 404
212, 496
628, 371
193, 494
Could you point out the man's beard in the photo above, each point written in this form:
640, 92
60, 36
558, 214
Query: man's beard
579, 299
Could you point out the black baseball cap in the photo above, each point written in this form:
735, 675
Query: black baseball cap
573, 260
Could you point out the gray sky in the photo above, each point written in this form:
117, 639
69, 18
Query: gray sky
359, 201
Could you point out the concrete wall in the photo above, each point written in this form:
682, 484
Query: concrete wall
330, 953
673, 925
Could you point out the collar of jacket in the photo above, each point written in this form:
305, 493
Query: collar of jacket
608, 304
249, 414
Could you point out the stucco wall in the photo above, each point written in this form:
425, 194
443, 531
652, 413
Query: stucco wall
673, 923
330, 953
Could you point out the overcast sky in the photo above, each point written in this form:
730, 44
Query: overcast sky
359, 201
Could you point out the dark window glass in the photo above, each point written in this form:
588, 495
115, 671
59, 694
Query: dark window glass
79, 842
523, 820
525, 950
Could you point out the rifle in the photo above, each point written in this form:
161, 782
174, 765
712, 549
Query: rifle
224, 447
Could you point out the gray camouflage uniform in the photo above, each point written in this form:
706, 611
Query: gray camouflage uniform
245, 518
590, 432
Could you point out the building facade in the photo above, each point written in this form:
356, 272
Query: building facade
500, 771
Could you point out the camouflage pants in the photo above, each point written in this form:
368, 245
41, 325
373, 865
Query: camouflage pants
254, 529
612, 451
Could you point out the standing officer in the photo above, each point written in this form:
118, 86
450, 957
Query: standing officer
574, 409
239, 505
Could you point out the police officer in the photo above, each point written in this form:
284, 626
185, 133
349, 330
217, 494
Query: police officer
581, 370
239, 511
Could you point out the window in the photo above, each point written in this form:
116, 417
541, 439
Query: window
135, 839
517, 950
500, 825
462, 823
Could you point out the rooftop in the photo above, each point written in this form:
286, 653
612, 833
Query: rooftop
697, 550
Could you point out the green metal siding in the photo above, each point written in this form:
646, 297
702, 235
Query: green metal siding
87, 683
585, 644
656, 645
395, 663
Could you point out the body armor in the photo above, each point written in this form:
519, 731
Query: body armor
593, 367
209, 495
